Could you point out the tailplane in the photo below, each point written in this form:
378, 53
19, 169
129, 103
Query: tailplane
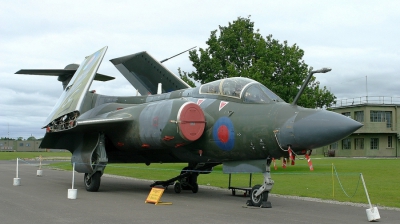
64, 75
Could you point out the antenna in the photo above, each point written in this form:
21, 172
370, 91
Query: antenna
366, 86
176, 55
310, 73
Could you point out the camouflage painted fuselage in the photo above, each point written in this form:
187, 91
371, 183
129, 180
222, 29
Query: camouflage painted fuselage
146, 128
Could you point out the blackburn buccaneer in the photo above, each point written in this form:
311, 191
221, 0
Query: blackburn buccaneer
237, 122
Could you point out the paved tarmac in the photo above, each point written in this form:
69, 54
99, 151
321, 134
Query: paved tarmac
121, 200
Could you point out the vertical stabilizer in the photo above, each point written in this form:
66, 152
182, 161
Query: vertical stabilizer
68, 106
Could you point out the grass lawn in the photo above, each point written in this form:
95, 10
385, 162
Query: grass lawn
382, 177
32, 155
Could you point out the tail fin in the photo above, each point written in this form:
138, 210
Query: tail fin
68, 107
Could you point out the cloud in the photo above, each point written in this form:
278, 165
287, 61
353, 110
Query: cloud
356, 39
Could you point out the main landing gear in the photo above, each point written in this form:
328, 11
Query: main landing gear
92, 181
259, 193
187, 180
99, 161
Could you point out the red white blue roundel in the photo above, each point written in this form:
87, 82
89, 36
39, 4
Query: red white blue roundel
224, 133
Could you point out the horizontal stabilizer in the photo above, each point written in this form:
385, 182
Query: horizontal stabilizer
60, 72
144, 73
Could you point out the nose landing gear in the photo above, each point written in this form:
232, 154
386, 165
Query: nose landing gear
259, 193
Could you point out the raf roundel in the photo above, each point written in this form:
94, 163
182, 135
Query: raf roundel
224, 133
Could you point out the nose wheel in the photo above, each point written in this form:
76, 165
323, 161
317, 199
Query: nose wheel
259, 193
259, 200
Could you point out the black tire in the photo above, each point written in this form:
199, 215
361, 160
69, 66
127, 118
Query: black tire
256, 201
195, 188
265, 195
185, 180
92, 184
177, 188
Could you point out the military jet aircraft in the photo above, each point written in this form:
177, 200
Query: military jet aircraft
236, 122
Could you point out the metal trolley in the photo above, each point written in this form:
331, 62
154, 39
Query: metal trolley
246, 190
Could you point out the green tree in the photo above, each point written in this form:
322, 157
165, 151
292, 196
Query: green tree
31, 138
185, 78
238, 50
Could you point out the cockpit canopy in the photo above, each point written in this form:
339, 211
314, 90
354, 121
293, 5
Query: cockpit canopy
242, 88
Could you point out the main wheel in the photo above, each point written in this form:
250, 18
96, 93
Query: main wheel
177, 187
256, 201
195, 187
92, 183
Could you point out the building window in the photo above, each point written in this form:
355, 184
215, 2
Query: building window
388, 116
390, 141
359, 142
28, 144
346, 143
347, 114
21, 144
381, 116
359, 116
374, 143
333, 145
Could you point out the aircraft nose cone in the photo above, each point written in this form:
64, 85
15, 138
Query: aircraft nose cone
316, 128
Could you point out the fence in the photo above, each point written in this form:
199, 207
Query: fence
367, 100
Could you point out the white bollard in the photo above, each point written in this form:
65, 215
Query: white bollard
72, 193
17, 181
39, 173
372, 212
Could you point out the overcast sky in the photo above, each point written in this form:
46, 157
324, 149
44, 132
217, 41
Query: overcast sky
357, 39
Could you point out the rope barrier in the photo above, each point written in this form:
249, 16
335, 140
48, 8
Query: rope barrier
340, 183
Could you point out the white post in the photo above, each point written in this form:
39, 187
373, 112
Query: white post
366, 191
73, 175
17, 168
372, 212
17, 181
39, 172
72, 192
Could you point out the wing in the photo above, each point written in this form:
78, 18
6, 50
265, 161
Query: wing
105, 123
68, 107
144, 73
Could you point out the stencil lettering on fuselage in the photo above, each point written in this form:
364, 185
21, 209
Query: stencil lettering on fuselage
224, 133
